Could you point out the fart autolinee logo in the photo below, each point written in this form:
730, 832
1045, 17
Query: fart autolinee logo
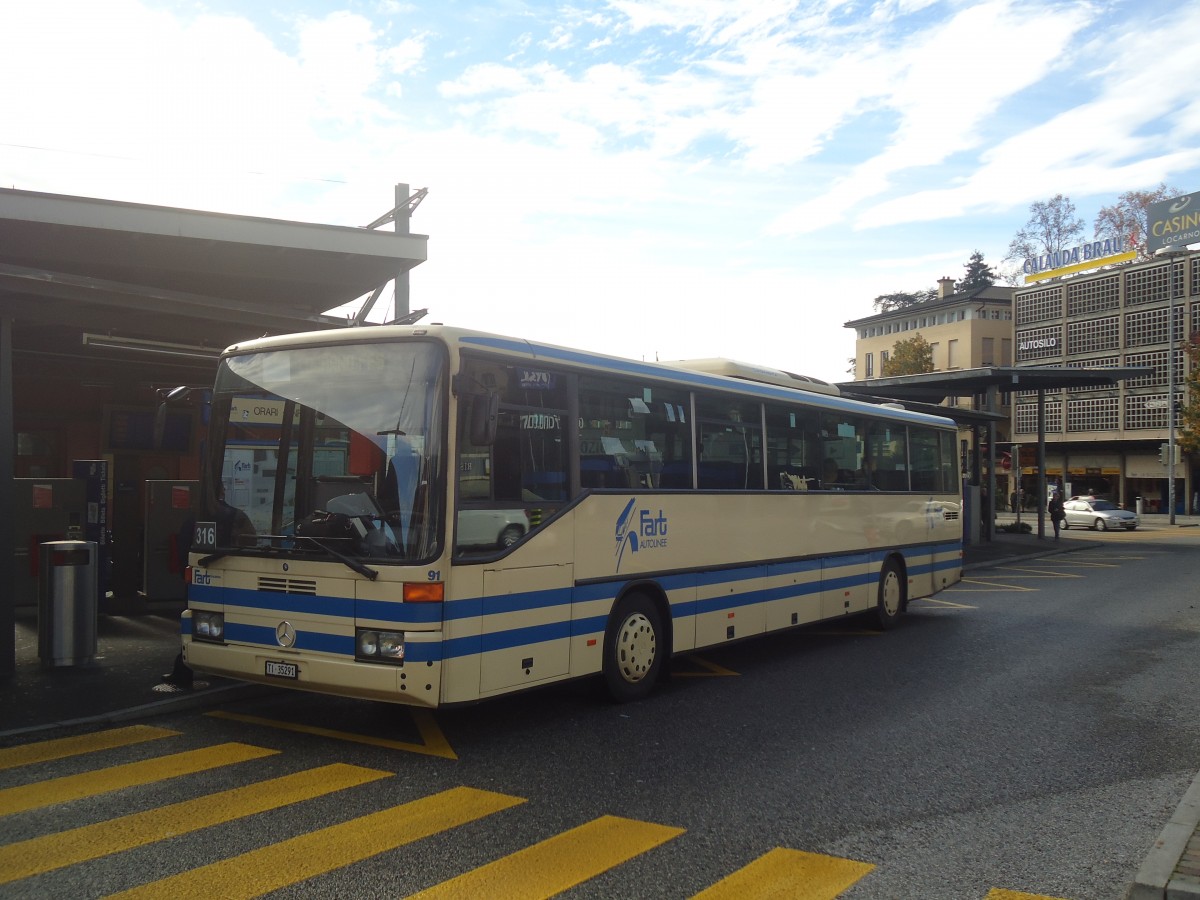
638, 530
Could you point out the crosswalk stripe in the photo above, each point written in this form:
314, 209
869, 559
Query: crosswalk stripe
56, 851
297, 859
558, 863
46, 751
783, 874
90, 784
435, 743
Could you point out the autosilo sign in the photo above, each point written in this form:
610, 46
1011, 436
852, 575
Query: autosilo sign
1174, 223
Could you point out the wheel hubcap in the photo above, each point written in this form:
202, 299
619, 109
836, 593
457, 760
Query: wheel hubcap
636, 647
891, 594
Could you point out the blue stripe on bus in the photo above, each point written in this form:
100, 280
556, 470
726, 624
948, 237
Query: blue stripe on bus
917, 560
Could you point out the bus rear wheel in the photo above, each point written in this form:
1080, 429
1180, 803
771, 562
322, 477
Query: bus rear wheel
891, 600
633, 651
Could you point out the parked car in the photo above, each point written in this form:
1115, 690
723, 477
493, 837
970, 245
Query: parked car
491, 527
1099, 514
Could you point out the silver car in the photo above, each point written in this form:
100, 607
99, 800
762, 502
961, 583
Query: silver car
1099, 514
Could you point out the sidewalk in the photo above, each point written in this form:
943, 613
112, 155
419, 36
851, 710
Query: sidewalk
134, 653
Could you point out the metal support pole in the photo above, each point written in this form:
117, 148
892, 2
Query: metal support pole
403, 218
1041, 461
8, 567
1171, 396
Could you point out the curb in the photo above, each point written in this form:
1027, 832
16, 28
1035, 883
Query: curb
1157, 879
169, 704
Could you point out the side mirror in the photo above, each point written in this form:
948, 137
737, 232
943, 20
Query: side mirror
167, 399
485, 416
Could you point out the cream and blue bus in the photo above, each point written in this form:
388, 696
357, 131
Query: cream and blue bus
433, 516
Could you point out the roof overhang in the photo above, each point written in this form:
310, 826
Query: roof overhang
934, 387
177, 274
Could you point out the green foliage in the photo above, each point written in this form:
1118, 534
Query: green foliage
1188, 419
911, 357
902, 300
978, 275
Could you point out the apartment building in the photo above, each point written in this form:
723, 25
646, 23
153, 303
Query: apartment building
1106, 440
965, 329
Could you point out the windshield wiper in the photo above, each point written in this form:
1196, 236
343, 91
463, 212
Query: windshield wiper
365, 571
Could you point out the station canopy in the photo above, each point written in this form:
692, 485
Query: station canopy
177, 282
934, 387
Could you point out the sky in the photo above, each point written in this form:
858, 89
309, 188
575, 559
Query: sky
666, 179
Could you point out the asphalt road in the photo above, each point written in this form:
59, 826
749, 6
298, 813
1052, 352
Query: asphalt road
1030, 730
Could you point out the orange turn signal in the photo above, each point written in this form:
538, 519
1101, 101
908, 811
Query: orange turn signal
424, 592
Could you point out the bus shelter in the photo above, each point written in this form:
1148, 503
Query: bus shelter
105, 305
984, 385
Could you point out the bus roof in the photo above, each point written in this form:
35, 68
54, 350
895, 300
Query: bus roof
745, 378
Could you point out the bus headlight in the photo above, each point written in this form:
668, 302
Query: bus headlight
379, 646
208, 626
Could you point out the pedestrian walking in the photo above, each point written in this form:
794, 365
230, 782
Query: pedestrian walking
1057, 513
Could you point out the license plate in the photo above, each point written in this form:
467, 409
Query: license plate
282, 669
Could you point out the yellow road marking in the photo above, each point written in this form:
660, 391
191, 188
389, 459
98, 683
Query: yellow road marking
1000, 894
986, 587
712, 669
1035, 572
946, 603
45, 751
56, 851
297, 859
558, 863
91, 784
783, 874
435, 743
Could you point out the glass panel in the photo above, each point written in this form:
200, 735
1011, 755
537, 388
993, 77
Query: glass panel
359, 431
508, 488
794, 458
632, 435
887, 457
731, 445
843, 442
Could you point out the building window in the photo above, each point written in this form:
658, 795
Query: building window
1093, 414
870, 365
1147, 410
1091, 335
1150, 326
1153, 284
988, 357
1038, 306
1025, 417
951, 354
1006, 351
1093, 296
1156, 359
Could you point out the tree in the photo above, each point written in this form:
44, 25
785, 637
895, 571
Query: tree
979, 274
902, 300
911, 357
1188, 419
1129, 218
1052, 226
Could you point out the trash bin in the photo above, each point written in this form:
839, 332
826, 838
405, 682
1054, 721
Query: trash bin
1138, 503
67, 603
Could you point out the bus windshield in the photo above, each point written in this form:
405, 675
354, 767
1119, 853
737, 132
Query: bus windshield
333, 451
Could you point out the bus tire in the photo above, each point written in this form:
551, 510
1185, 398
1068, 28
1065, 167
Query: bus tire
890, 601
633, 648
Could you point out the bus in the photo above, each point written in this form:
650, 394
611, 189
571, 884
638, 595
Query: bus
434, 516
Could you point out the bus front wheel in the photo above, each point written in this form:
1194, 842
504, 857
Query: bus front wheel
890, 603
633, 648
